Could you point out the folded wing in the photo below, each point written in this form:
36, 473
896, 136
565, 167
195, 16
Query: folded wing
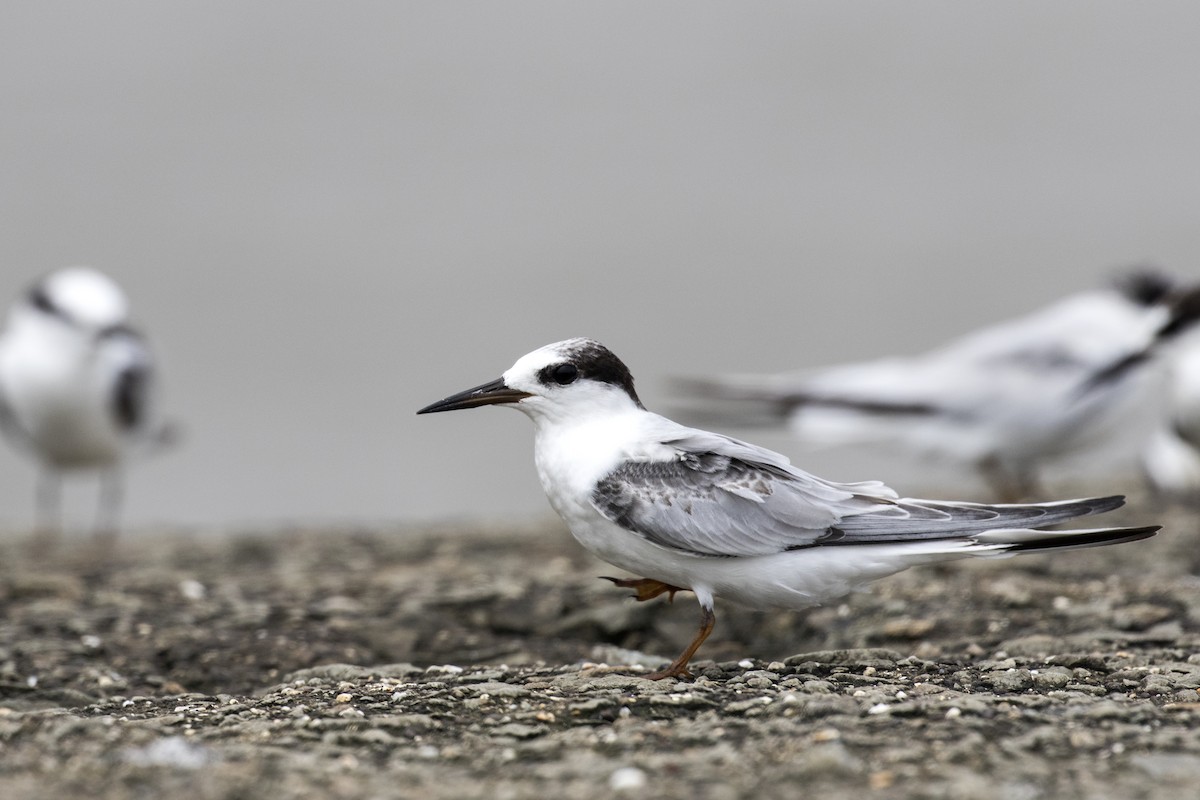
722, 497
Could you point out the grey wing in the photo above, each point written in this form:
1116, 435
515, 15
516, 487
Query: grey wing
8, 420
130, 398
724, 497
717, 504
130, 393
10, 424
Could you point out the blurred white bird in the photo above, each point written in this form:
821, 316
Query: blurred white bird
698, 511
75, 387
1171, 460
1003, 399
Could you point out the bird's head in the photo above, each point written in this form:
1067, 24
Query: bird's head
572, 377
80, 297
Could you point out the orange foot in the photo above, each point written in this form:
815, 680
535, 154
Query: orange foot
678, 667
646, 588
670, 671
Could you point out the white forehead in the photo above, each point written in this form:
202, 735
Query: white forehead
87, 294
530, 363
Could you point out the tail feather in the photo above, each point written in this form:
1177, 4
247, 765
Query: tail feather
911, 519
1033, 541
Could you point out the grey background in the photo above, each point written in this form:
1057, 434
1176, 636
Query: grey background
330, 214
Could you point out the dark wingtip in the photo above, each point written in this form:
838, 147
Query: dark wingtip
1185, 311
1145, 284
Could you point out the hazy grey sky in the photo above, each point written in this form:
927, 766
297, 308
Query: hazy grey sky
330, 214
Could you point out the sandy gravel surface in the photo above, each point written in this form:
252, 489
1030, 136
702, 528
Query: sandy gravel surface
471, 662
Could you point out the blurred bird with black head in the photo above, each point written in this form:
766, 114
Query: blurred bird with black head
77, 385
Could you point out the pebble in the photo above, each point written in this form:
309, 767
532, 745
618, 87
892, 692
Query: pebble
497, 689
742, 706
1009, 680
518, 730
627, 779
445, 669
1050, 679
193, 590
1157, 684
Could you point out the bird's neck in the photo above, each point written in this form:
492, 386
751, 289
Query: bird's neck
573, 453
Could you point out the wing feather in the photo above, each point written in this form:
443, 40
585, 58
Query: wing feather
722, 497
130, 394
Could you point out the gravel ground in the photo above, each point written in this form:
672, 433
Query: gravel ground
467, 662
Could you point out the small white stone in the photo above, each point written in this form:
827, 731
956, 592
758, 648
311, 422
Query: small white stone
627, 779
745, 663
171, 751
879, 708
192, 589
449, 669
953, 713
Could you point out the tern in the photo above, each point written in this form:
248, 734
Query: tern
1171, 458
1004, 399
75, 387
687, 509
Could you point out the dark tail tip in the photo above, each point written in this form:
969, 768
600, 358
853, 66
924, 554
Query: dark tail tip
1092, 539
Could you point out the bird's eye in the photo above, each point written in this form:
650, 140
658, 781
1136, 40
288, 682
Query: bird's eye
564, 374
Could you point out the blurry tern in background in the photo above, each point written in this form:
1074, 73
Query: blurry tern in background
686, 509
75, 387
1171, 459
1003, 399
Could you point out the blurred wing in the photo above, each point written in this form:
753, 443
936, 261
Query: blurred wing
8, 421
10, 426
1078, 341
126, 352
130, 399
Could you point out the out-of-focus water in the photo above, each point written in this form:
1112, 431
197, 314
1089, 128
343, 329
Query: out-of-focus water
330, 214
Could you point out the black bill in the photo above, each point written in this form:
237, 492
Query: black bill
485, 395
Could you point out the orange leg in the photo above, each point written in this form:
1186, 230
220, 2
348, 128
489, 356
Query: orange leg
678, 667
646, 588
